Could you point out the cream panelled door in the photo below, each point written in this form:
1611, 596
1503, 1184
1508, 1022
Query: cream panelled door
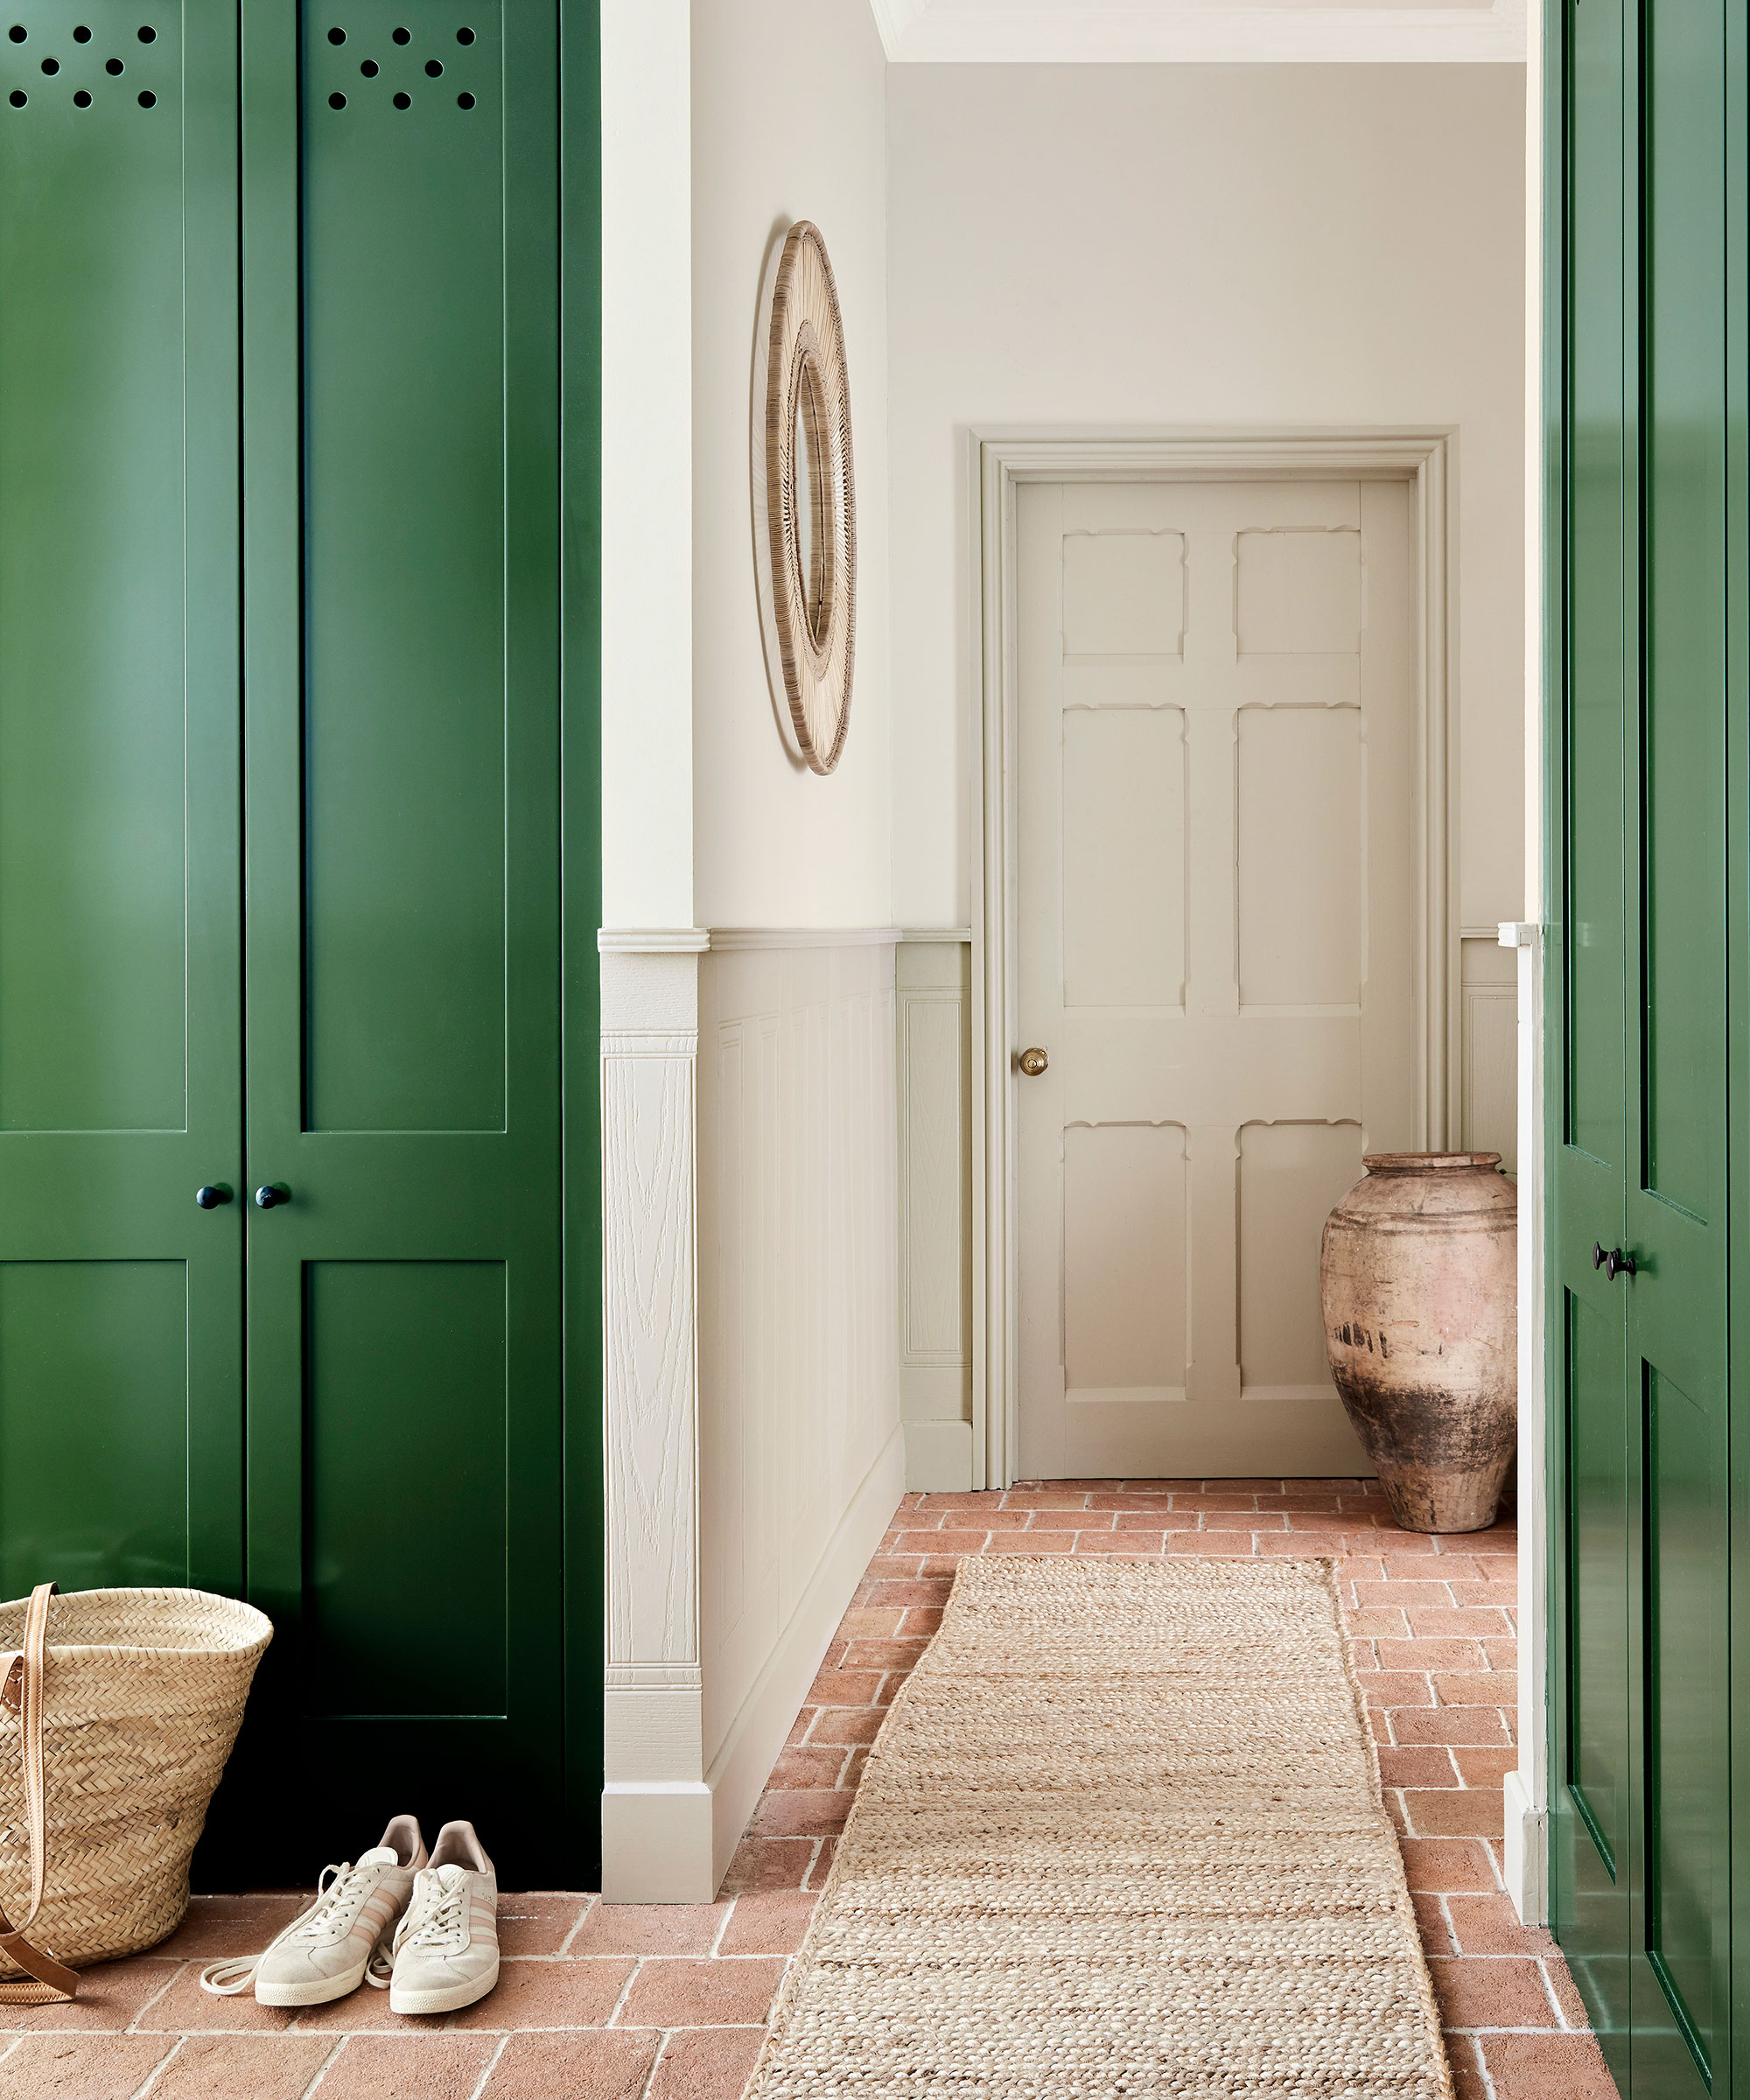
1216, 898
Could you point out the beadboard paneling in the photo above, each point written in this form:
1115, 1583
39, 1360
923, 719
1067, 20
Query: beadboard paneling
798, 1311
1489, 1046
935, 1204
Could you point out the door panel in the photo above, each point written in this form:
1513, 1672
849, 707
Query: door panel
403, 967
405, 1375
121, 1447
1216, 797
404, 407
1676, 1217
1645, 1451
1684, 1676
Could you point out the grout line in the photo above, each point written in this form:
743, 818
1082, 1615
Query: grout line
657, 2055
169, 2056
175, 1975
637, 1970
729, 1911
491, 2066
326, 2065
589, 1906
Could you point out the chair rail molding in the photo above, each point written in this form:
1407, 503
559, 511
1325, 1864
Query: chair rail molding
999, 461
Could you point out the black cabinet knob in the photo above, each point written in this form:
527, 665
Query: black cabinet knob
271, 1193
213, 1195
1614, 1262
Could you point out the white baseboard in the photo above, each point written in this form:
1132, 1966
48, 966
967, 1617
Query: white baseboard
656, 1842
738, 1774
1527, 1867
938, 1457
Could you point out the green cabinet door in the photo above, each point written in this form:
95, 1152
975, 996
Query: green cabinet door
1642, 1892
402, 432
1676, 1208
121, 1426
1591, 1816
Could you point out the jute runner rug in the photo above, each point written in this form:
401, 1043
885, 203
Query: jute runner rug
1120, 1834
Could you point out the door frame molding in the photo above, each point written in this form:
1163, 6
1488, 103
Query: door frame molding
998, 461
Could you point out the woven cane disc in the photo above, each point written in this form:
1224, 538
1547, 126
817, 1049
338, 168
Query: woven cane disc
808, 547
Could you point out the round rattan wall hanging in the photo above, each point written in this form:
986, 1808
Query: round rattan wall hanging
805, 499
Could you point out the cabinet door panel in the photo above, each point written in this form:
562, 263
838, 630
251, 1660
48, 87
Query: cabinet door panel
121, 1404
403, 771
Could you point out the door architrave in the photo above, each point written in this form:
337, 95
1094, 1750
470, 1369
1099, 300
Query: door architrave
998, 461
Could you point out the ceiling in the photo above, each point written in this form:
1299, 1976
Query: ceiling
1104, 32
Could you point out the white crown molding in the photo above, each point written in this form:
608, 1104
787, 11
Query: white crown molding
1059, 32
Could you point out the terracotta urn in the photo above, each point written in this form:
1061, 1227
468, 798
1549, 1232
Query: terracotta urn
1419, 1278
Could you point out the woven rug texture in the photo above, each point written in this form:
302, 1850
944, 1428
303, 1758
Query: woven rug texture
1120, 1834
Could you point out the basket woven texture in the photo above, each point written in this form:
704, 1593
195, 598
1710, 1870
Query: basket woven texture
1120, 1834
143, 1695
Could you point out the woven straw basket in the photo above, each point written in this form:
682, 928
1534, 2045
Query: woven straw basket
138, 1698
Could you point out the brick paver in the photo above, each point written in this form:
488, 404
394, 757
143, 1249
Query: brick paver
621, 2002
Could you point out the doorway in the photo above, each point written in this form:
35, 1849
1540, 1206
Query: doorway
1221, 955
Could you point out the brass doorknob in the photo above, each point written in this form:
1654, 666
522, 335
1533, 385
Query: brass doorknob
1034, 1062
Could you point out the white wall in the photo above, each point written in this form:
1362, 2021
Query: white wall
1164, 245
789, 101
750, 1157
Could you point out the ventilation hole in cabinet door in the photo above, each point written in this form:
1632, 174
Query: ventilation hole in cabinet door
369, 69
464, 101
434, 66
82, 100
464, 36
337, 101
113, 66
337, 36
403, 36
17, 98
148, 98
148, 34
81, 35
51, 65
18, 33
403, 102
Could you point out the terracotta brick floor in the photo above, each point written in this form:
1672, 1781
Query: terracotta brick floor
626, 2003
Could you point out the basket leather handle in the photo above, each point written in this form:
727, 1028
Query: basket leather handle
22, 1693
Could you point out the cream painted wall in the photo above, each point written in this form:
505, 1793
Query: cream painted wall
789, 103
1204, 244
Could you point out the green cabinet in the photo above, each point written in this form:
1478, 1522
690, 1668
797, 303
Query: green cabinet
1641, 1050
294, 610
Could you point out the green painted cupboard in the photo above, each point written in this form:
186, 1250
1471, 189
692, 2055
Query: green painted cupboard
1646, 1014
298, 825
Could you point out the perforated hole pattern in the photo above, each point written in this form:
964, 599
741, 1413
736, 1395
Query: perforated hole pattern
18, 34
369, 68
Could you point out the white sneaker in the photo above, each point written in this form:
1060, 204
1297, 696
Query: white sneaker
446, 1947
325, 1953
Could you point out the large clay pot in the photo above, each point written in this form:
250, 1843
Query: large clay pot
1419, 1276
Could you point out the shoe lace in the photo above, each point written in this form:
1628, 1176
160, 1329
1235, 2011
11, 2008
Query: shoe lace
341, 1893
441, 1925
433, 1924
